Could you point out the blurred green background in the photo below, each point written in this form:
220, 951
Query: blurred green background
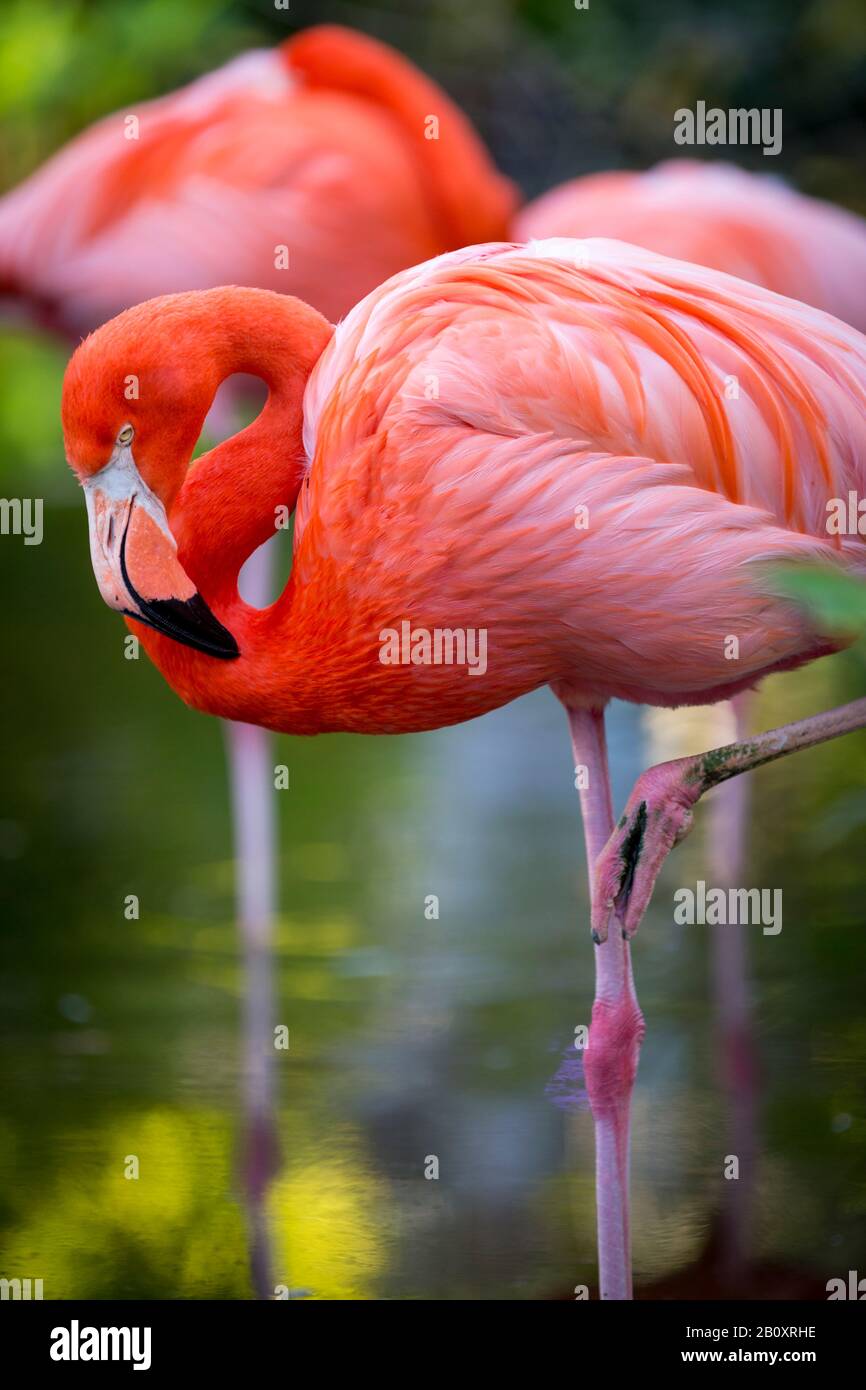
554, 90
409, 1037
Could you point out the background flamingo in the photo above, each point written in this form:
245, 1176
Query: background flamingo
720, 216
312, 168
567, 374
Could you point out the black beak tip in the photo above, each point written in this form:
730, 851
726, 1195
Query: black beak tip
190, 622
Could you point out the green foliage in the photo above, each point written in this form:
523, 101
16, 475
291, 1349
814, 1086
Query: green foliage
31, 376
66, 64
836, 600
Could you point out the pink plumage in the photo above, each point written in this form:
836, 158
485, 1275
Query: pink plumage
723, 217
303, 169
493, 394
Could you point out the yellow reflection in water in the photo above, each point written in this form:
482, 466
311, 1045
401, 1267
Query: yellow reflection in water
328, 1218
172, 1232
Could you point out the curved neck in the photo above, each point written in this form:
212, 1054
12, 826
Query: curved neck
228, 503
470, 200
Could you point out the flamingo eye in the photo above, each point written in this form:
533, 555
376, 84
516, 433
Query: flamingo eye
126, 434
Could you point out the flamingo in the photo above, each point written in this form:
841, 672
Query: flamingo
319, 168
720, 216
717, 215
530, 441
437, 449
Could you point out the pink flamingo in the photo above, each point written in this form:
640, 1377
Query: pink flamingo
318, 169
717, 215
533, 443
720, 216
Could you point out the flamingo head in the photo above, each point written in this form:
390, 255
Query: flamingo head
134, 401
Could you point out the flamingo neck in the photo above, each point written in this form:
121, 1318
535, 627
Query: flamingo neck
224, 505
234, 496
469, 200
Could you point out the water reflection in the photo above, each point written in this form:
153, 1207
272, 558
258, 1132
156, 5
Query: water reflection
410, 1036
252, 790
728, 817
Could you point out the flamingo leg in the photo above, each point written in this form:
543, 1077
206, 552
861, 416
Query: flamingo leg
251, 771
659, 811
617, 1027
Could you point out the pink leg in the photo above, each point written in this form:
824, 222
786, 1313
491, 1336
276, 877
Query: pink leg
251, 769
659, 811
253, 799
616, 1030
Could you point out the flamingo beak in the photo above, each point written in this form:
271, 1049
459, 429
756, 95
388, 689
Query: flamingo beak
135, 560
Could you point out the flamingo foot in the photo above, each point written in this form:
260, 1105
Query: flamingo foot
610, 1066
657, 817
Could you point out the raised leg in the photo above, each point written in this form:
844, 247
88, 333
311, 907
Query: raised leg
659, 811
617, 1028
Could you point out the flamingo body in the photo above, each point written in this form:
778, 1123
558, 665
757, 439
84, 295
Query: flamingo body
454, 426
719, 216
306, 169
